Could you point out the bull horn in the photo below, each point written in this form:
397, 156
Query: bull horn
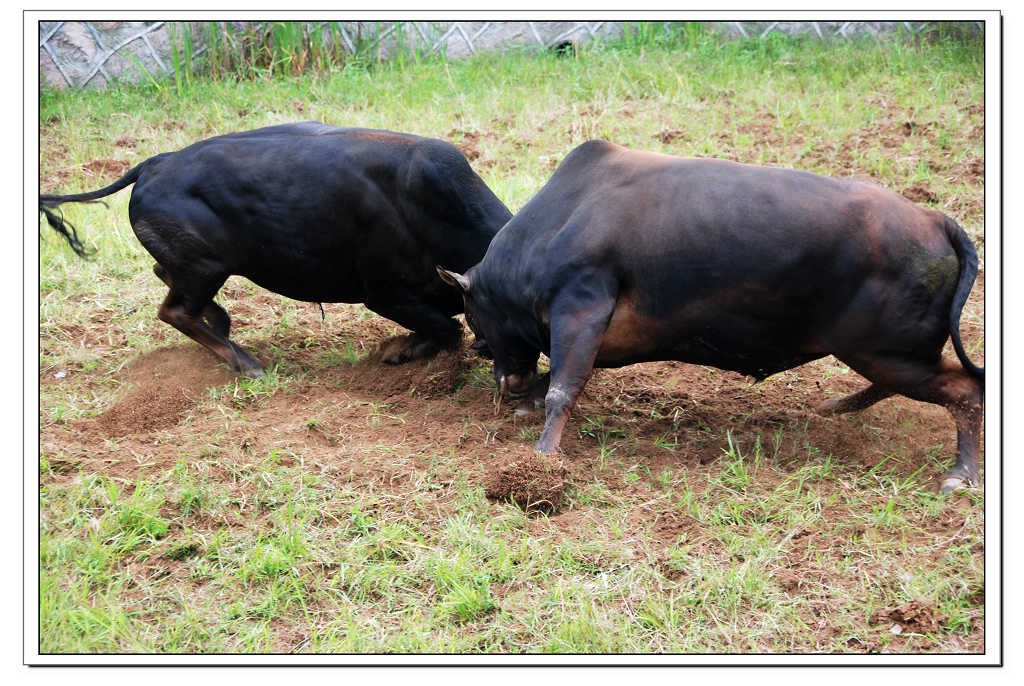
453, 279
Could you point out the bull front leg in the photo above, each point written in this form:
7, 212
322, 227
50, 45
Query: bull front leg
578, 322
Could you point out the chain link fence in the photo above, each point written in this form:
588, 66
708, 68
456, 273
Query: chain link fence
81, 54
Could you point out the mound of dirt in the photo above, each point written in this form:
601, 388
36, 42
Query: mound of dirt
161, 388
535, 482
913, 616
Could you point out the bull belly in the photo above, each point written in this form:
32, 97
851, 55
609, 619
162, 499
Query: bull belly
304, 286
759, 361
760, 364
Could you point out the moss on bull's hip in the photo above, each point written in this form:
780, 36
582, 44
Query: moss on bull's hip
936, 275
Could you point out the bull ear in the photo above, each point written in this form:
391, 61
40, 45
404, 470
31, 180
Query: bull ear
454, 279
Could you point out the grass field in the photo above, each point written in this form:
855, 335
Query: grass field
339, 506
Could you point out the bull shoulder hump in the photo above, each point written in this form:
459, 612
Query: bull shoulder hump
590, 153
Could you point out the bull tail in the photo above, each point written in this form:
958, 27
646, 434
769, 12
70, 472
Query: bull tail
48, 203
968, 257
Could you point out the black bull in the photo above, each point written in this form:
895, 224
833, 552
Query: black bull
312, 212
627, 256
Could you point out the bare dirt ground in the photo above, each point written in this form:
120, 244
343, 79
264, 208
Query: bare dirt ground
430, 408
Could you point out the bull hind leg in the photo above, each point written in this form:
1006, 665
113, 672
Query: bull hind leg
944, 383
855, 401
215, 315
188, 303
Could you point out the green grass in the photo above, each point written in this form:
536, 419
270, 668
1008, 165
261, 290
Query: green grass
308, 534
319, 564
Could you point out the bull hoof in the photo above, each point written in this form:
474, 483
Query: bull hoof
402, 349
529, 406
828, 408
524, 410
951, 483
247, 365
534, 400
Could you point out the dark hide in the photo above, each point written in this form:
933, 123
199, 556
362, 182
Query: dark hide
315, 213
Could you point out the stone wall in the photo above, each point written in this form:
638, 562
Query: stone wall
96, 53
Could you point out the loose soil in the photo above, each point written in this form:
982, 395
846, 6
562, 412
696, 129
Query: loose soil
665, 415
161, 388
658, 416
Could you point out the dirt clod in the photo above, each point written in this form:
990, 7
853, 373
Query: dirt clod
668, 135
468, 142
535, 482
920, 193
913, 616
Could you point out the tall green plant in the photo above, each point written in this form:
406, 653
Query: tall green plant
182, 52
254, 50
